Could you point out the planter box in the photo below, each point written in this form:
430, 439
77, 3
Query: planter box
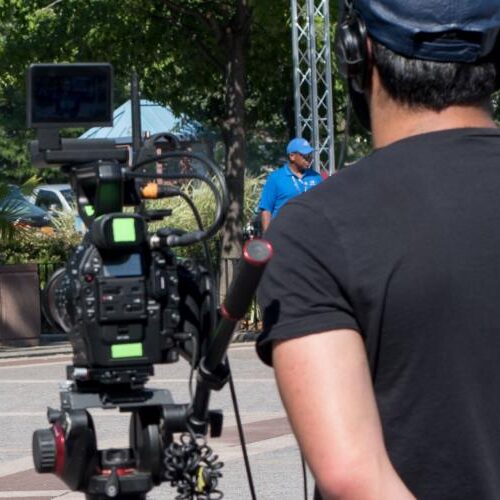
19, 305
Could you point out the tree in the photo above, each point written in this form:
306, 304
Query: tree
224, 63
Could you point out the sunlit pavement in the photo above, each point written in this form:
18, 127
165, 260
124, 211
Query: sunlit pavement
30, 384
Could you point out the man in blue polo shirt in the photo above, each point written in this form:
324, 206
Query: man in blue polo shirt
293, 178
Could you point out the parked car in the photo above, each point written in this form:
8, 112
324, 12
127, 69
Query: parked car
54, 197
21, 211
57, 198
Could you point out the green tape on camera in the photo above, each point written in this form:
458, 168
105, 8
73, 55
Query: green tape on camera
124, 230
120, 351
89, 210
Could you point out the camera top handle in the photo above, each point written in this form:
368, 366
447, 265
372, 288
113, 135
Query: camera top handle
105, 187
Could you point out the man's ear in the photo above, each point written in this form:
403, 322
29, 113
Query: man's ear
369, 49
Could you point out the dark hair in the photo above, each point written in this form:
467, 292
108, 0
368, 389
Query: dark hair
434, 85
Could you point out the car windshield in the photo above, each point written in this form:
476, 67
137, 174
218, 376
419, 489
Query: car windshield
68, 195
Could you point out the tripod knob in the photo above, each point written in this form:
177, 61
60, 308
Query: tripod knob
44, 450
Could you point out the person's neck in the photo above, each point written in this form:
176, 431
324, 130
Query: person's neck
295, 170
392, 122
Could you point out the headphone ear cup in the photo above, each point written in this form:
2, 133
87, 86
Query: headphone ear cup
351, 50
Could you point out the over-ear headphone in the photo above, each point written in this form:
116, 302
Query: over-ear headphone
351, 47
352, 56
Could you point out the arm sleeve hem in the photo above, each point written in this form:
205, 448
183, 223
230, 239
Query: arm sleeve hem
307, 326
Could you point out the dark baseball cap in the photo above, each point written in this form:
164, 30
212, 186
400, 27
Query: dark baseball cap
436, 30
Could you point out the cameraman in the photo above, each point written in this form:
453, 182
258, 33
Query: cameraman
382, 312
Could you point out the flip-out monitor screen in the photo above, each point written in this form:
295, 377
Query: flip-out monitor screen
70, 95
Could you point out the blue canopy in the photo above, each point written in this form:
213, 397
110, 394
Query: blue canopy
154, 119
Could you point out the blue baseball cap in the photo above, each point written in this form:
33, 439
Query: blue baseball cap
299, 145
436, 30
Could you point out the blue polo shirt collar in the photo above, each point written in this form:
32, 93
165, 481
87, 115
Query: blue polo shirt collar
289, 172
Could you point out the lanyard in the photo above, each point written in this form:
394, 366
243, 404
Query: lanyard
297, 183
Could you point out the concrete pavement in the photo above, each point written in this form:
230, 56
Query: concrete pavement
30, 379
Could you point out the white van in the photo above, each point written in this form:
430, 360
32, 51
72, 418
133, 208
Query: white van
57, 198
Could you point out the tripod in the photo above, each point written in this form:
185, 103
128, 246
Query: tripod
69, 447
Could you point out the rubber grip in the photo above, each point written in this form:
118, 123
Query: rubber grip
256, 254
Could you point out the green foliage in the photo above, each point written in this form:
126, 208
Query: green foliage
176, 46
33, 245
8, 211
181, 51
182, 217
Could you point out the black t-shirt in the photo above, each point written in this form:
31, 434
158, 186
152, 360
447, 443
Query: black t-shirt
404, 247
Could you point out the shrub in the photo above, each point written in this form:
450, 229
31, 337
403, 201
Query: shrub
33, 245
182, 216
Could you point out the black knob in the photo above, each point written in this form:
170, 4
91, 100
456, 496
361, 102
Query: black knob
53, 415
44, 450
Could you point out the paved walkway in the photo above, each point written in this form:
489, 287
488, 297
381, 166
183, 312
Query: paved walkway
30, 379
46, 350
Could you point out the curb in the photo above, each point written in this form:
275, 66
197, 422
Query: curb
56, 344
245, 336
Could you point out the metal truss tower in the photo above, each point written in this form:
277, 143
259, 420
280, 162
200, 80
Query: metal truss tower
313, 79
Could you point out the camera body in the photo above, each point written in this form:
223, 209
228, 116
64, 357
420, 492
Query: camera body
126, 307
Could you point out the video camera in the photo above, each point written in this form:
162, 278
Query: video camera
126, 301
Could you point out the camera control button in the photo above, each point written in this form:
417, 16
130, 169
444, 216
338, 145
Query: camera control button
174, 299
174, 318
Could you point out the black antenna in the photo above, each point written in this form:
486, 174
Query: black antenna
136, 114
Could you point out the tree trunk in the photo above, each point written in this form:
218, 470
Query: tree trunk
233, 131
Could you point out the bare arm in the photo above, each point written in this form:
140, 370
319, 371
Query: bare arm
265, 219
326, 388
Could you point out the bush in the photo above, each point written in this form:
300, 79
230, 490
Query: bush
182, 216
33, 245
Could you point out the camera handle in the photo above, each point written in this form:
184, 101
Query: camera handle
213, 372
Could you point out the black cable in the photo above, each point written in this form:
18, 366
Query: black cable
221, 197
193, 468
219, 201
203, 159
192, 365
347, 131
206, 249
197, 216
208, 260
241, 434
304, 475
